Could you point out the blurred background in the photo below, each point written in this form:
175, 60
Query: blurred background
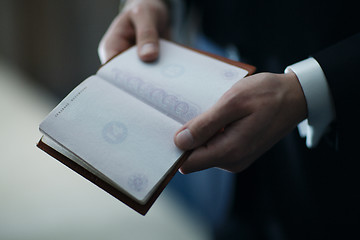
46, 49
54, 42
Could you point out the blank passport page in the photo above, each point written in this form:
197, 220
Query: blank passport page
101, 125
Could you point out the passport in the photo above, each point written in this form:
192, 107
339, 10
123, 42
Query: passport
116, 128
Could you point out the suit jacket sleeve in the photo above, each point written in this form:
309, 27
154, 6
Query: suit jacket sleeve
341, 65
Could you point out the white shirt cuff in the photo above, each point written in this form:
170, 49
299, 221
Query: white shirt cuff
321, 111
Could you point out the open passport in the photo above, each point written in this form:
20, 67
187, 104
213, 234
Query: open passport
116, 128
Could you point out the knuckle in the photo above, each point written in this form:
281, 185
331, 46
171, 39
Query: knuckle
230, 99
235, 100
202, 128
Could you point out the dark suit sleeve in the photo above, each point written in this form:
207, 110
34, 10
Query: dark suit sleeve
341, 65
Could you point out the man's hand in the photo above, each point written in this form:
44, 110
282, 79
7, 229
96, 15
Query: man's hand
247, 120
141, 22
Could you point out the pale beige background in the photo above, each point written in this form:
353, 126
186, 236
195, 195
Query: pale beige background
46, 49
42, 199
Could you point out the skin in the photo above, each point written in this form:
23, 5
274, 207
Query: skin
141, 22
247, 120
254, 114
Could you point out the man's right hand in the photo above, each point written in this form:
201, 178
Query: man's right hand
141, 22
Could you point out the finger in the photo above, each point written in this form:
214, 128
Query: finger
206, 156
147, 35
230, 150
200, 129
117, 38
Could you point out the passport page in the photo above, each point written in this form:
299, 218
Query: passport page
116, 135
182, 83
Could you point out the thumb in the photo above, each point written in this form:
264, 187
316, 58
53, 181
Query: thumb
200, 129
147, 34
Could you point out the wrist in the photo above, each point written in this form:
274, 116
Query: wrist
296, 96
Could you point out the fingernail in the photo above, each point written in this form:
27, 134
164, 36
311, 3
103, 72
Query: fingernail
181, 171
147, 48
184, 139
